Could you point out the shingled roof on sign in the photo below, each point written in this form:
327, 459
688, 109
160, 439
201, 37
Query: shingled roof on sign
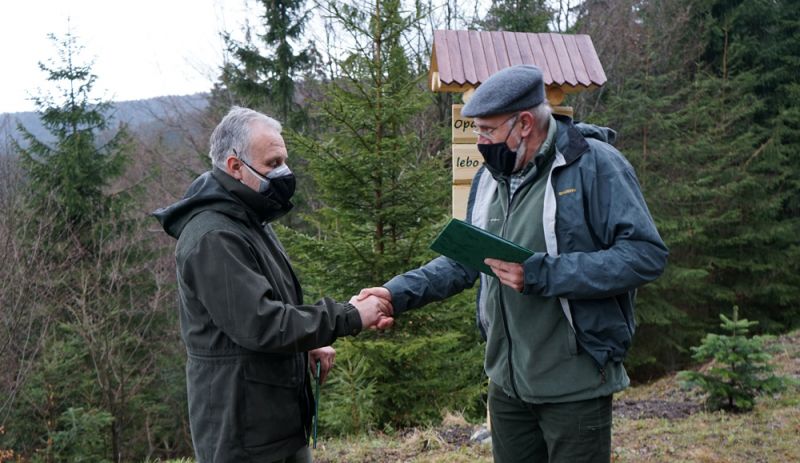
463, 59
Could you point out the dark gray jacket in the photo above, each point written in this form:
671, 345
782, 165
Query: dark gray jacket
602, 244
245, 326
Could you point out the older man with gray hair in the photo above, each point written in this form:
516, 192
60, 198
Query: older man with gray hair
558, 325
249, 336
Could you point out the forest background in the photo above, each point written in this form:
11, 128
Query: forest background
703, 95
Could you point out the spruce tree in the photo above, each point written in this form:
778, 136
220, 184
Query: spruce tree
738, 183
263, 72
375, 183
740, 371
763, 39
703, 114
381, 198
517, 16
94, 282
71, 174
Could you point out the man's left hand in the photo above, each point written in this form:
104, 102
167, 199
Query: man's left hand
326, 356
509, 273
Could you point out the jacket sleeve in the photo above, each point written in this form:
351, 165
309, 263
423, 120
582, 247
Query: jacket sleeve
222, 274
437, 280
628, 251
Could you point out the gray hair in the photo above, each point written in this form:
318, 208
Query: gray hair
541, 113
233, 134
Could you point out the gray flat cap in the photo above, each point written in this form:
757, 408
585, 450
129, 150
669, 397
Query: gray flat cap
512, 89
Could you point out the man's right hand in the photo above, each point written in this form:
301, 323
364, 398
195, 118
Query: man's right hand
375, 312
378, 291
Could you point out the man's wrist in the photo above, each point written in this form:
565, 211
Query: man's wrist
352, 319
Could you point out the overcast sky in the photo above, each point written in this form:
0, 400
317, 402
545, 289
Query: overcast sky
141, 48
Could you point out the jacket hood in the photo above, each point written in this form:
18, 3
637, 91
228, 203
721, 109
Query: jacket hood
209, 191
571, 137
603, 134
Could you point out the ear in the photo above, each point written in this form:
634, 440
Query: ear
234, 167
526, 123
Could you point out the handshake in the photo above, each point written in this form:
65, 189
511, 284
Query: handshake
375, 307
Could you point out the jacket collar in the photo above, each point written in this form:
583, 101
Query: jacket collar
256, 206
569, 141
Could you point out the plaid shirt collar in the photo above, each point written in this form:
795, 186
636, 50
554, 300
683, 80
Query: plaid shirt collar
515, 180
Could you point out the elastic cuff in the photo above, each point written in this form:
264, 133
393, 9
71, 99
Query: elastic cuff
399, 300
352, 319
529, 278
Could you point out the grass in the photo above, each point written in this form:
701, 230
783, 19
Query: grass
770, 433
446, 443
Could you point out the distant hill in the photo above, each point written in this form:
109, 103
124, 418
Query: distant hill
140, 115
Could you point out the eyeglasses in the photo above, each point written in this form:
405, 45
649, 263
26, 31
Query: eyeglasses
489, 131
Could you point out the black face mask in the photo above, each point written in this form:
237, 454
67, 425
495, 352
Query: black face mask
499, 158
277, 188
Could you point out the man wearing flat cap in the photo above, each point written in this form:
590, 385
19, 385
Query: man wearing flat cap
558, 325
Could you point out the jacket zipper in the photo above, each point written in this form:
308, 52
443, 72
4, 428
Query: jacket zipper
500, 288
503, 305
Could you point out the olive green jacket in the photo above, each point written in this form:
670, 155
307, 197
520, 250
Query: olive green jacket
245, 326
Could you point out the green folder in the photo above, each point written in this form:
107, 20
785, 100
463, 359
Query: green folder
470, 245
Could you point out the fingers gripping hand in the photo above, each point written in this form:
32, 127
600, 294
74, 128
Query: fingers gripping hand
387, 320
375, 311
326, 356
380, 292
384, 322
509, 273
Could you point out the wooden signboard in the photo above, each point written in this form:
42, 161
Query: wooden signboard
460, 197
463, 127
466, 160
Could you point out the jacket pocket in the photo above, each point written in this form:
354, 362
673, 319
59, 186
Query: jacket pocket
572, 342
272, 393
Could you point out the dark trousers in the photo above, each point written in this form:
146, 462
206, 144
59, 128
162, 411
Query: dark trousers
571, 432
